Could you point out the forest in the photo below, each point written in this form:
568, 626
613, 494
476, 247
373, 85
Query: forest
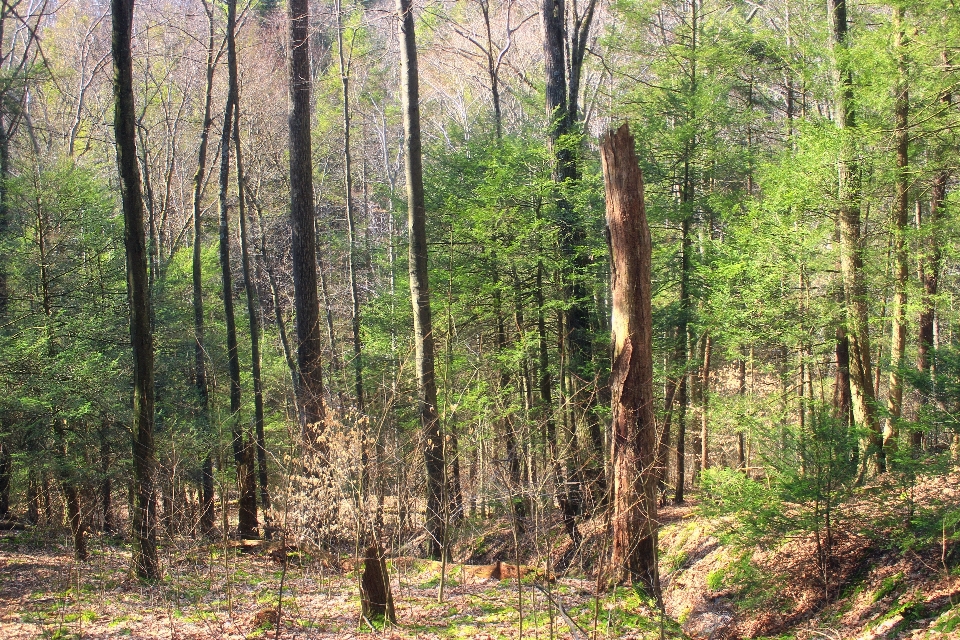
479, 319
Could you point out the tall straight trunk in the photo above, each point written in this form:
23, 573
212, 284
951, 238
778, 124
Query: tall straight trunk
742, 392
351, 222
6, 462
705, 404
138, 293
663, 446
253, 316
199, 351
683, 340
567, 510
419, 286
851, 243
928, 269
6, 466
696, 400
517, 500
451, 444
898, 338
247, 507
634, 441
304, 243
275, 297
106, 483
562, 90
72, 497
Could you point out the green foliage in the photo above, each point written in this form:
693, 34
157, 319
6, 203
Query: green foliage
888, 586
755, 589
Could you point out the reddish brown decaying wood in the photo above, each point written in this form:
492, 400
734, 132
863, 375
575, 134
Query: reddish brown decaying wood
634, 433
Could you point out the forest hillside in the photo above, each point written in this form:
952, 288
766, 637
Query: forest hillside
479, 318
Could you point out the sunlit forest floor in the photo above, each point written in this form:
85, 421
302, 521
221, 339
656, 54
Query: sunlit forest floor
230, 592
890, 581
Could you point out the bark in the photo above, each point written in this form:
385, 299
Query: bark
634, 441
6, 466
275, 297
742, 392
72, 497
247, 507
253, 316
851, 243
898, 338
704, 404
567, 510
929, 272
663, 446
145, 506
517, 499
199, 351
683, 339
419, 287
376, 597
351, 225
562, 91
106, 485
303, 247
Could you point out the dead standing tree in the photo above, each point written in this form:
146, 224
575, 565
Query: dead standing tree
634, 438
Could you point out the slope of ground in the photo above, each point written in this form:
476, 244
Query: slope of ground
894, 576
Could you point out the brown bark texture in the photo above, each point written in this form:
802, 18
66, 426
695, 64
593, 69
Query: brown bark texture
419, 285
138, 293
851, 243
303, 246
634, 437
376, 597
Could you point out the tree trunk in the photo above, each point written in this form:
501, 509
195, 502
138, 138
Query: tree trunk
72, 497
742, 392
351, 226
247, 507
106, 485
419, 286
253, 316
199, 350
683, 340
517, 500
304, 244
5, 473
704, 404
851, 243
138, 293
634, 441
929, 272
663, 446
898, 338
376, 597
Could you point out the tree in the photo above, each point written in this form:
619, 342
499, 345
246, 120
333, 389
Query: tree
634, 429
304, 245
433, 453
247, 521
199, 351
138, 293
851, 241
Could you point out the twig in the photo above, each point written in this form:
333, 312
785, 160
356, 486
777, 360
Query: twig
575, 630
